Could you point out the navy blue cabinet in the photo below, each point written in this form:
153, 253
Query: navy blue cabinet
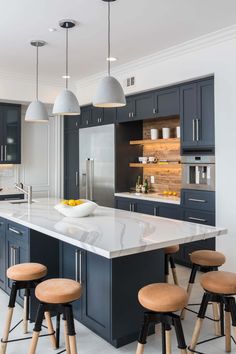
92, 116
197, 116
124, 114
143, 106
166, 102
200, 200
85, 117
10, 134
71, 164
2, 255
71, 122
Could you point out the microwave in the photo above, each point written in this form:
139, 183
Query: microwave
198, 172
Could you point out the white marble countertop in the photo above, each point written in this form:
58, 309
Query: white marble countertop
153, 197
108, 232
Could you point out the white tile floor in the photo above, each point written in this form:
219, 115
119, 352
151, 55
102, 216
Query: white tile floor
90, 343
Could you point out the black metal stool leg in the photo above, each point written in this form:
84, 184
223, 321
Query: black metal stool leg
37, 328
26, 310
166, 268
71, 328
201, 315
173, 269
227, 326
143, 335
58, 321
11, 306
180, 335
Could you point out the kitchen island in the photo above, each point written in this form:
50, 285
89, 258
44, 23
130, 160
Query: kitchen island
113, 253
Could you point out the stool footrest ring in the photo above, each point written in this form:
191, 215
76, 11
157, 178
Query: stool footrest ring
208, 340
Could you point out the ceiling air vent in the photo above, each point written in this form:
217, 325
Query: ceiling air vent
130, 81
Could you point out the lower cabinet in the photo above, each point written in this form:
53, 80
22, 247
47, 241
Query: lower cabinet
200, 213
2, 255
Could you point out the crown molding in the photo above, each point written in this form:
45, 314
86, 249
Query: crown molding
199, 43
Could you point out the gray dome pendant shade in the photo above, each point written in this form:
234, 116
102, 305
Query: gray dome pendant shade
37, 112
66, 102
109, 92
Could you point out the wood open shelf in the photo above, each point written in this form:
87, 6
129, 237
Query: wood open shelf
157, 141
156, 165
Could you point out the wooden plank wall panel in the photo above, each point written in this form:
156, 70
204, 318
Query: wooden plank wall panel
167, 179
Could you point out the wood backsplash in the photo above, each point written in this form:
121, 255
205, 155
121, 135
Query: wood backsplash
166, 179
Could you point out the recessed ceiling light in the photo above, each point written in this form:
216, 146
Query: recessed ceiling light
66, 76
112, 59
51, 29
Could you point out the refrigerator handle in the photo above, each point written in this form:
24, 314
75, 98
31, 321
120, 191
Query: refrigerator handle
91, 178
87, 179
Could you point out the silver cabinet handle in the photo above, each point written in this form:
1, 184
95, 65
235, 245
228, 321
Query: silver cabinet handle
194, 138
197, 130
155, 211
197, 200
133, 207
76, 265
130, 207
87, 178
76, 124
132, 114
196, 219
13, 255
5, 153
76, 178
154, 111
86, 122
15, 231
1, 152
80, 266
129, 115
91, 178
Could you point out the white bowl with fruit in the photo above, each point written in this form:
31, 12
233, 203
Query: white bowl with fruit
76, 208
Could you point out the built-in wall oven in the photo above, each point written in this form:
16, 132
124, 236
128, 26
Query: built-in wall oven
198, 172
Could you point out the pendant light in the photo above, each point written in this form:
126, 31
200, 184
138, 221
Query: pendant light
109, 92
36, 112
66, 102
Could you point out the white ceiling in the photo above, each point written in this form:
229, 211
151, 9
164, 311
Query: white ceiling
139, 28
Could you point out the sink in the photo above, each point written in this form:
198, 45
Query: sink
21, 202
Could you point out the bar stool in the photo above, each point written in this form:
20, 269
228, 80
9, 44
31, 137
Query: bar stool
205, 260
162, 300
24, 276
57, 295
220, 287
169, 251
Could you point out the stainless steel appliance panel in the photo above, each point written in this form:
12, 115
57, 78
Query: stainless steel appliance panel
97, 167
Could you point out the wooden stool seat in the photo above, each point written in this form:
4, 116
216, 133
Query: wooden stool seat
219, 282
26, 272
171, 249
58, 291
162, 297
207, 258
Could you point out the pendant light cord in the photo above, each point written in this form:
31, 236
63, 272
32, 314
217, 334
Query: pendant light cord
109, 38
37, 72
67, 58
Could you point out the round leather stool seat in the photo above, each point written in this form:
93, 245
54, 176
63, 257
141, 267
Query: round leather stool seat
207, 258
171, 249
27, 271
161, 297
219, 282
58, 291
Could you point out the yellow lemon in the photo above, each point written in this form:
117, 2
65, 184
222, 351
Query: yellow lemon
72, 202
165, 192
170, 193
174, 193
78, 202
64, 202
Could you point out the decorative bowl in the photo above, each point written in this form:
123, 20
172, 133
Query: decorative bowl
78, 211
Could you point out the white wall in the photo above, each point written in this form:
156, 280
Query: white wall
215, 54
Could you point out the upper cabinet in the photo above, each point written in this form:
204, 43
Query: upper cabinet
197, 116
153, 104
10, 134
71, 122
91, 116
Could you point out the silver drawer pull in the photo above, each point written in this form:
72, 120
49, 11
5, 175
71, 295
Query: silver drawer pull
15, 231
196, 219
80, 267
197, 200
78, 262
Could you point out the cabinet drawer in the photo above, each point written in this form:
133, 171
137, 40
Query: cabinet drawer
2, 225
201, 200
19, 233
199, 217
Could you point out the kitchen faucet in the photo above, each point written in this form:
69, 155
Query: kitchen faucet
27, 192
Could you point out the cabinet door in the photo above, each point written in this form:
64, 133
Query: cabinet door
166, 102
205, 122
124, 114
85, 117
2, 255
109, 115
143, 106
188, 115
71, 122
11, 144
70, 263
124, 204
170, 211
71, 164
146, 208
97, 115
96, 298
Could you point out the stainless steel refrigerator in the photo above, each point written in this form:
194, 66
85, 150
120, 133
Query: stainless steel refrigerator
97, 164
